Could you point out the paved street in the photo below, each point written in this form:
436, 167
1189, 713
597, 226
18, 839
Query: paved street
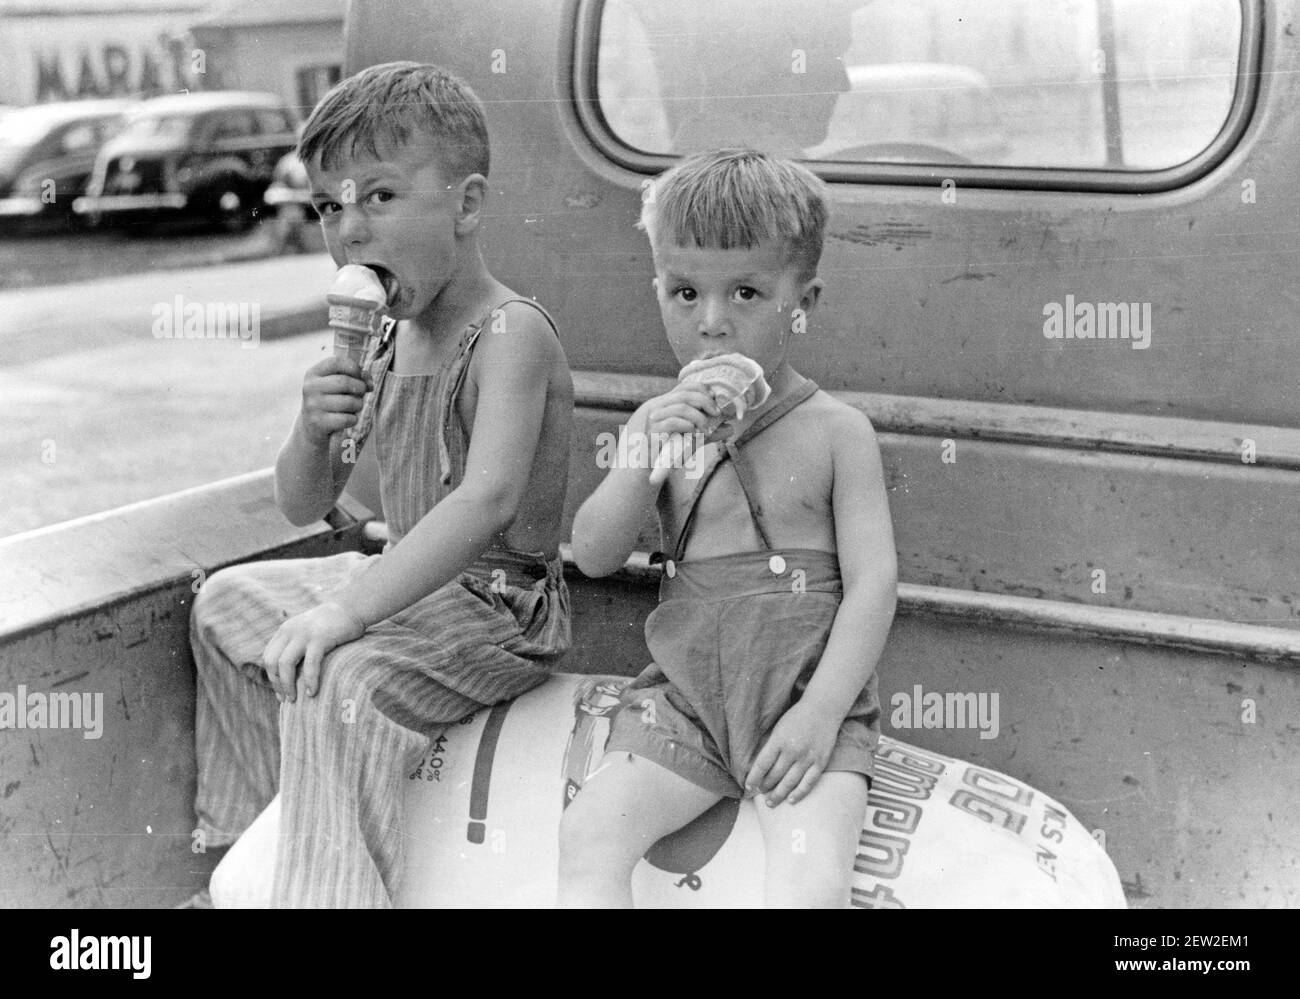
98, 412
33, 256
40, 323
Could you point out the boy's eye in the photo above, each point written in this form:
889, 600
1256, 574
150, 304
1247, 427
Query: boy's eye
685, 294
746, 293
380, 197
326, 208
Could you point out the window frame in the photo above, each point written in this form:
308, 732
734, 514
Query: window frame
582, 81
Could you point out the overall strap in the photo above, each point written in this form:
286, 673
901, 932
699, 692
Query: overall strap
680, 547
377, 360
744, 472
451, 458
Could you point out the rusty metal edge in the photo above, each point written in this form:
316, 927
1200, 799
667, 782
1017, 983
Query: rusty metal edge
1155, 436
1194, 634
1117, 624
344, 524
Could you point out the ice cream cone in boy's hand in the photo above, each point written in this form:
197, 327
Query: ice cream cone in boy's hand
357, 300
736, 383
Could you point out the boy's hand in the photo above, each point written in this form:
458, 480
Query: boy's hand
306, 638
684, 411
332, 393
794, 755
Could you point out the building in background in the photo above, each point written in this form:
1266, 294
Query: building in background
293, 48
60, 50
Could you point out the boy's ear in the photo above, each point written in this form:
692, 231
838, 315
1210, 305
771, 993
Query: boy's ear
473, 196
811, 295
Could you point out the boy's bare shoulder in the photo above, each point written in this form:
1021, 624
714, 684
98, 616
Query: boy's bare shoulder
837, 420
516, 333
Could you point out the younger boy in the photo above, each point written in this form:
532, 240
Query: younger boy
326, 677
779, 587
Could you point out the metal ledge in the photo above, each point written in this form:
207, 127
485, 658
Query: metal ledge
1080, 620
1114, 624
1086, 430
87, 565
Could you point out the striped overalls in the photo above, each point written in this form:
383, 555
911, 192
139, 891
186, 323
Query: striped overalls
340, 759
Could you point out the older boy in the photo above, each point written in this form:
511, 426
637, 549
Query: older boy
779, 587
327, 676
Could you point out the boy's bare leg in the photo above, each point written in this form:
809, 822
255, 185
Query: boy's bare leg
811, 846
624, 808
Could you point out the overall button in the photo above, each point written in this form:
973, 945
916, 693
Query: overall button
777, 564
670, 569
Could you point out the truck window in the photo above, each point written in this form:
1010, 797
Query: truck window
1113, 85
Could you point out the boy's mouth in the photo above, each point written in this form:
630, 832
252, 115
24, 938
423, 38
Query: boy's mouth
388, 280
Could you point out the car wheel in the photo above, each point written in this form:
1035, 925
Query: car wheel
232, 209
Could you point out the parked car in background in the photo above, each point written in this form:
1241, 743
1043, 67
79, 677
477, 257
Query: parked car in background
292, 221
47, 153
204, 155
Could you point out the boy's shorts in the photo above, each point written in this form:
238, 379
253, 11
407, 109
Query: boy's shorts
735, 643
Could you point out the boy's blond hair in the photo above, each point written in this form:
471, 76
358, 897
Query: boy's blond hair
736, 199
391, 102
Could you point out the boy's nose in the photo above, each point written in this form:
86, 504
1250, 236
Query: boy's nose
714, 320
354, 227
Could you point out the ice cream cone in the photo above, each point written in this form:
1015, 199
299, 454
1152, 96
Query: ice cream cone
356, 309
736, 383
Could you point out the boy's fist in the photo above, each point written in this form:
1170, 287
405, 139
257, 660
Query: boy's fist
683, 412
333, 391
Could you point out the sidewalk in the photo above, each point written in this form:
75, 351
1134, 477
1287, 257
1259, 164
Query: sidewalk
287, 293
99, 412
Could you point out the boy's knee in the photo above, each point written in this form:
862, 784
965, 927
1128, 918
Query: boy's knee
348, 678
814, 880
343, 706
588, 847
829, 890
211, 594
223, 589
214, 617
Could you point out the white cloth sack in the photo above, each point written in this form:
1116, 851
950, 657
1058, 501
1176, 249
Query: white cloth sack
484, 806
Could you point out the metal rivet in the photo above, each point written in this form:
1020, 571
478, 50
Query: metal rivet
670, 570
777, 564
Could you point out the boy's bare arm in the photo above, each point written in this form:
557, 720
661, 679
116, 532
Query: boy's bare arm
512, 371
309, 470
864, 540
800, 745
607, 524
